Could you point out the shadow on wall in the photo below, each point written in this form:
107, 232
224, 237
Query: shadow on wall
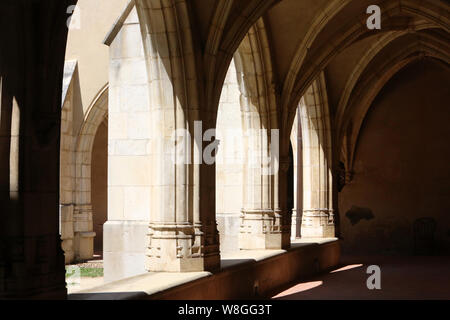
396, 236
355, 214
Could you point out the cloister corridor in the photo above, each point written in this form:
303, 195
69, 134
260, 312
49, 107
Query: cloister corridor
224, 150
403, 278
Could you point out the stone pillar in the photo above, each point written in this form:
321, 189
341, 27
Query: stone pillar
83, 232
31, 257
183, 232
318, 219
67, 168
260, 219
66, 231
296, 142
261, 225
282, 199
160, 197
295, 222
125, 233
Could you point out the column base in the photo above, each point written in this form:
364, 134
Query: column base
59, 293
32, 267
295, 225
318, 223
83, 240
182, 248
69, 255
84, 245
66, 232
260, 229
318, 232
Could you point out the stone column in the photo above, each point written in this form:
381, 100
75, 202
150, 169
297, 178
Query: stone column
282, 198
260, 220
296, 142
125, 233
183, 232
33, 260
83, 232
318, 219
31, 257
67, 168
295, 218
161, 201
66, 231
78, 193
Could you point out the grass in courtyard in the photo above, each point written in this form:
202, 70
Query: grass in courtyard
84, 272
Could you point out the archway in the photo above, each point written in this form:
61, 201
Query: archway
85, 155
229, 163
400, 166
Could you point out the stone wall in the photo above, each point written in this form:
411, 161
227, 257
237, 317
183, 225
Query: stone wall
401, 165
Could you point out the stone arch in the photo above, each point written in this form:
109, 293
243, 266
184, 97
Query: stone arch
317, 25
346, 142
225, 36
229, 163
361, 65
309, 63
95, 115
371, 84
261, 218
82, 212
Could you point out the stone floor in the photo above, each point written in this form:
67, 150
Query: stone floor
402, 277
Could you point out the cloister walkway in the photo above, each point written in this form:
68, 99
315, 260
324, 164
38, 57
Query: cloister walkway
402, 277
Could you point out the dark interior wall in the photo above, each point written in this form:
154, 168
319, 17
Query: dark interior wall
100, 184
401, 164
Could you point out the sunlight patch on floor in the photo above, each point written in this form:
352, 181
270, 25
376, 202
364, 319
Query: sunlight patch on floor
299, 288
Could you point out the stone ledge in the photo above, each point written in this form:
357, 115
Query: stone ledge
244, 274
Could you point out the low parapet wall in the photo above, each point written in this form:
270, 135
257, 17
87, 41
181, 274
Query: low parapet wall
244, 275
